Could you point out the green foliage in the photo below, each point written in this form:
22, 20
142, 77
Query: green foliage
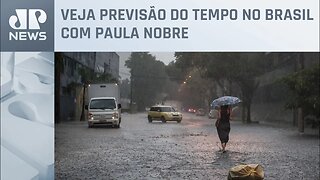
304, 90
175, 73
148, 78
235, 68
88, 76
105, 77
198, 91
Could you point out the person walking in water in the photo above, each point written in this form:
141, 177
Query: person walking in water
223, 125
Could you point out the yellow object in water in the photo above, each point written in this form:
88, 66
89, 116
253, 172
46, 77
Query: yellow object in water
247, 172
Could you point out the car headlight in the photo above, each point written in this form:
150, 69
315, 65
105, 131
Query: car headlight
115, 115
90, 116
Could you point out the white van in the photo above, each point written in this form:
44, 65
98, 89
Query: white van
104, 110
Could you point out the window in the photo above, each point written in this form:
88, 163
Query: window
103, 104
167, 109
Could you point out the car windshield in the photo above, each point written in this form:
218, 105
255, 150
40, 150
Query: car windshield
167, 109
102, 104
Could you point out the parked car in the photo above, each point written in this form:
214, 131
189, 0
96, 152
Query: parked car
164, 114
200, 112
191, 110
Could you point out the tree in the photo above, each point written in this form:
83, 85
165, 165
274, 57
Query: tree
247, 69
176, 78
228, 68
148, 78
304, 91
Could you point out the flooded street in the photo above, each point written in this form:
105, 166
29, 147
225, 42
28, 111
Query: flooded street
189, 150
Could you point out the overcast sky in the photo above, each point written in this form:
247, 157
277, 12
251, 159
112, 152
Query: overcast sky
165, 57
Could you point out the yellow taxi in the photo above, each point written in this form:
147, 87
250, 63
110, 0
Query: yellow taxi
164, 113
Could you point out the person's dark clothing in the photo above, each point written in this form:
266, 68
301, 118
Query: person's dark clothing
223, 126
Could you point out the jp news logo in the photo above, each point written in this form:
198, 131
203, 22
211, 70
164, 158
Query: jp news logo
26, 25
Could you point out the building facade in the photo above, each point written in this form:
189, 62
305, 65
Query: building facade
76, 69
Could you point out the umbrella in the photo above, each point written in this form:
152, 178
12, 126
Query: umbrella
225, 100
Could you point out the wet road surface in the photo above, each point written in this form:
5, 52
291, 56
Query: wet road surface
189, 150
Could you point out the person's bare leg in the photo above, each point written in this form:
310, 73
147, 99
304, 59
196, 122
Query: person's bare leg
223, 146
220, 149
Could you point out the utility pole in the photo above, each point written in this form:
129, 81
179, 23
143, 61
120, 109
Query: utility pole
131, 93
300, 120
300, 109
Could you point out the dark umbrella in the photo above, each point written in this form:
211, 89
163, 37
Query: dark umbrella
225, 100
